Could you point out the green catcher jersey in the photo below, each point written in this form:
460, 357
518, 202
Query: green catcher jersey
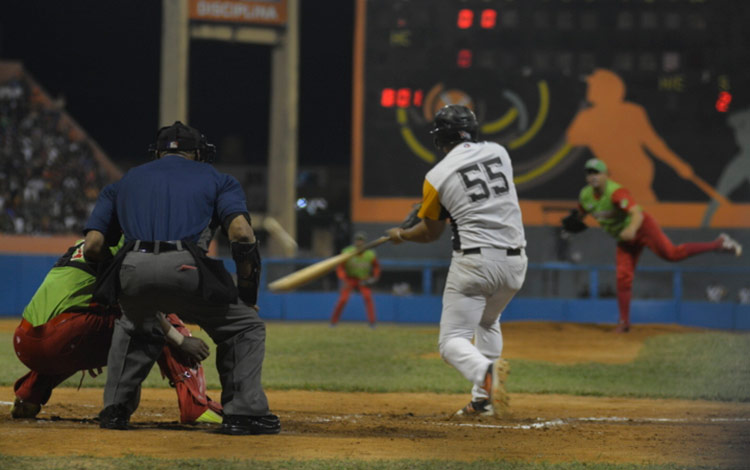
68, 287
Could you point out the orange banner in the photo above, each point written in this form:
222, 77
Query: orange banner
39, 245
549, 213
269, 12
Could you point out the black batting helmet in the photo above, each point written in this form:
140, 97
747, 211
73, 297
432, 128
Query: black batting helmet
454, 124
178, 136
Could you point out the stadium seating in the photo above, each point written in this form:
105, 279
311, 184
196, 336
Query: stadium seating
49, 176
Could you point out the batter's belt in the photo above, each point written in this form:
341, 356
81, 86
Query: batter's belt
478, 251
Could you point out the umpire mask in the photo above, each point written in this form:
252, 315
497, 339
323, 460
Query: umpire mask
179, 137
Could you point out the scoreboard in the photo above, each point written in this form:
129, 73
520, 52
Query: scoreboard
522, 66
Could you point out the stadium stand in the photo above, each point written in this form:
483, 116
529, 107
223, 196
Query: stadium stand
50, 170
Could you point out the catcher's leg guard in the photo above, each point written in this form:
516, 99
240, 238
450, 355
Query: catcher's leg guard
187, 378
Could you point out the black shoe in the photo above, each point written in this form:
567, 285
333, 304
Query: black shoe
481, 407
237, 425
114, 417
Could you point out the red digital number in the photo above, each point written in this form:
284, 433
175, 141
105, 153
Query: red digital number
489, 19
387, 97
465, 18
722, 103
418, 97
464, 58
403, 97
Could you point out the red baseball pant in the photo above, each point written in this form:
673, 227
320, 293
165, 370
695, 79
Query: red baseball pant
73, 342
349, 285
649, 235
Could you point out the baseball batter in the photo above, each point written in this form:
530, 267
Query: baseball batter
473, 187
63, 331
617, 212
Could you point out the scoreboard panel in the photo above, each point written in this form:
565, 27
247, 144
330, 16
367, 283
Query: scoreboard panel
525, 67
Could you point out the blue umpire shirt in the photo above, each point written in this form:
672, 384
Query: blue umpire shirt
168, 199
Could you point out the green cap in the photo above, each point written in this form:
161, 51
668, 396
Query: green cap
596, 164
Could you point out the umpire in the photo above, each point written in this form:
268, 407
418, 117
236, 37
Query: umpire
168, 210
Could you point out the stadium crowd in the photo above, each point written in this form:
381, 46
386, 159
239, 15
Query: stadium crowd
49, 181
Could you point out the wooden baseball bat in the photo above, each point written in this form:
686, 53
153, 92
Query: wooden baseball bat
319, 269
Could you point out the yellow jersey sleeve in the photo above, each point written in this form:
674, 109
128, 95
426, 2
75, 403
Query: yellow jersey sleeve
430, 202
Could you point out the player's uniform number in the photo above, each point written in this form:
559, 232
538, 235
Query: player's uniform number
484, 179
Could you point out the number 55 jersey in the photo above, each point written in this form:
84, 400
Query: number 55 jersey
473, 186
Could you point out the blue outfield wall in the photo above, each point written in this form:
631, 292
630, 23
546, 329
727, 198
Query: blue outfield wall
20, 275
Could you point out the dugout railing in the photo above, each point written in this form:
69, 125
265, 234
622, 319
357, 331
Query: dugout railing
409, 291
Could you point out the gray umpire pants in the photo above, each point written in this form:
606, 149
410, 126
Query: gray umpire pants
168, 282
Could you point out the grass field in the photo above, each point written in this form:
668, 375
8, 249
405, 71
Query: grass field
706, 365
394, 358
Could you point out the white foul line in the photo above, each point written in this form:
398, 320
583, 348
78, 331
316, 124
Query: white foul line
614, 419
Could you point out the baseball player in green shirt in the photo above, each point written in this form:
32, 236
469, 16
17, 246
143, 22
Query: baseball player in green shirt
358, 273
619, 215
63, 331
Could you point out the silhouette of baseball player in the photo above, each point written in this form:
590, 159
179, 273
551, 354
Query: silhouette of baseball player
738, 170
619, 132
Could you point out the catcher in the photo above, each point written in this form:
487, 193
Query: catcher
617, 213
63, 331
358, 273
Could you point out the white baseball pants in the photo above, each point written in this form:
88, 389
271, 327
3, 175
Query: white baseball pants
477, 290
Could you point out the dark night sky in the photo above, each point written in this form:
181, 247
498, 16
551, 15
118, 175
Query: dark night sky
103, 57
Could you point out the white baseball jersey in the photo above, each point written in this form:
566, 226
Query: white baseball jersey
473, 185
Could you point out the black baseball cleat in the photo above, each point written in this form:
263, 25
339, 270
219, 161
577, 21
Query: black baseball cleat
237, 425
114, 417
478, 407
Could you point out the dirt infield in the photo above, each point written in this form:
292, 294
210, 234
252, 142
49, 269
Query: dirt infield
322, 425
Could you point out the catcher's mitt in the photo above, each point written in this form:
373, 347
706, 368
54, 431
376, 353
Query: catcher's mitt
411, 219
572, 222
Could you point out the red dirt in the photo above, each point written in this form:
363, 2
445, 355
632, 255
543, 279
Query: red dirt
322, 425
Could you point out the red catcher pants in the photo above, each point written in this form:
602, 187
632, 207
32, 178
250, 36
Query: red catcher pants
650, 235
349, 285
73, 342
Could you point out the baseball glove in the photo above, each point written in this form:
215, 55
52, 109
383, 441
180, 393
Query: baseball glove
412, 219
572, 222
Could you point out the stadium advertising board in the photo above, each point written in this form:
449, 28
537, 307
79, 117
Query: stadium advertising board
268, 12
657, 89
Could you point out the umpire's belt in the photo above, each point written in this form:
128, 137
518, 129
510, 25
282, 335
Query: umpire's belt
478, 251
157, 246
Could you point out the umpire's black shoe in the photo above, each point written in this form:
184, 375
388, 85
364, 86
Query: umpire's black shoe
114, 417
237, 425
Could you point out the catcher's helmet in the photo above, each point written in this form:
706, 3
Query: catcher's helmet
454, 124
178, 136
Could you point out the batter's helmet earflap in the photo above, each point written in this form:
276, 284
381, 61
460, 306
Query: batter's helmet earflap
179, 137
454, 124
